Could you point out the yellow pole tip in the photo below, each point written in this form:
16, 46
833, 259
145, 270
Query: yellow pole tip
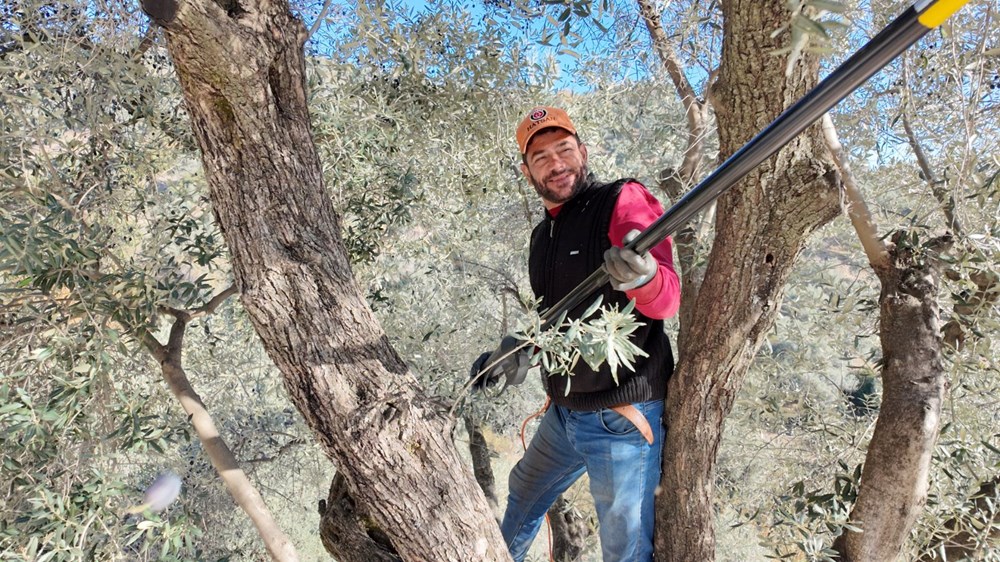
939, 11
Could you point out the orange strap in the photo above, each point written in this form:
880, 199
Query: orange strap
633, 415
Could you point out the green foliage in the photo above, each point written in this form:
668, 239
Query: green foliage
808, 30
807, 517
594, 339
64, 498
103, 222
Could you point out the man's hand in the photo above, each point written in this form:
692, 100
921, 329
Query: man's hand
629, 270
508, 361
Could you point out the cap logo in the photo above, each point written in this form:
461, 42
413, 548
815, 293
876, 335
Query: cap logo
538, 114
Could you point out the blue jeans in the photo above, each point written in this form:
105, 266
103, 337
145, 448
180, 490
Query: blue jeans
624, 472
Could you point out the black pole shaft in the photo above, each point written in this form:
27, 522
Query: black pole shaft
895, 38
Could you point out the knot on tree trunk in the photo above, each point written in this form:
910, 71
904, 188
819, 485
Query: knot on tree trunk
160, 11
913, 266
815, 183
395, 415
347, 532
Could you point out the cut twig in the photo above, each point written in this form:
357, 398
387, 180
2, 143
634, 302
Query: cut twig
854, 202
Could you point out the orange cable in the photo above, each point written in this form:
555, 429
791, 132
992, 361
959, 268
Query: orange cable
524, 446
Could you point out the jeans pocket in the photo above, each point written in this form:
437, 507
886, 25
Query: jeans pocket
615, 423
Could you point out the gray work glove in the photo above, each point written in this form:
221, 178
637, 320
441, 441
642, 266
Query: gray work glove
509, 363
629, 270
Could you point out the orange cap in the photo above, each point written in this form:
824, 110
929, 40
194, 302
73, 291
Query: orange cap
541, 118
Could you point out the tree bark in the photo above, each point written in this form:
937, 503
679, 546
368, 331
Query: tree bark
241, 69
570, 531
761, 227
894, 480
479, 449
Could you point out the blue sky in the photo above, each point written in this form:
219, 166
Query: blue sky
529, 32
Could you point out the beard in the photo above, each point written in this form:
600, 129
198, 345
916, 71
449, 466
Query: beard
543, 190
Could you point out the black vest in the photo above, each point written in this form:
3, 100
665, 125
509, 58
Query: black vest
564, 251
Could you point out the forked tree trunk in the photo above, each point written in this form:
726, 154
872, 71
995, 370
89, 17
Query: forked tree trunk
761, 227
241, 68
894, 480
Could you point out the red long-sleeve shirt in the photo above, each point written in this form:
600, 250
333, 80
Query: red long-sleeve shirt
636, 209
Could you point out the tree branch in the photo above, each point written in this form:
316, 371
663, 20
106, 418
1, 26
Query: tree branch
939, 186
145, 43
155, 348
170, 358
694, 109
676, 181
203, 310
281, 451
857, 210
505, 284
319, 18
214, 302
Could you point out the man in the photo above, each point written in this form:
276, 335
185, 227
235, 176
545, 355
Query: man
611, 430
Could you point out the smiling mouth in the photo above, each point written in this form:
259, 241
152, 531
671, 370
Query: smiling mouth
561, 177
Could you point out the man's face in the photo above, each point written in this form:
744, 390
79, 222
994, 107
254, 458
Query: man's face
556, 166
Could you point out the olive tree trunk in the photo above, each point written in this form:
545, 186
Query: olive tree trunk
761, 227
241, 68
894, 480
